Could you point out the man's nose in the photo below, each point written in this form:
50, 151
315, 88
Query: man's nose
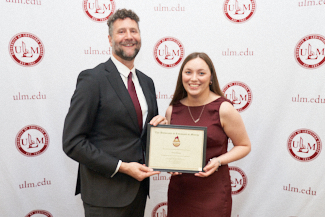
128, 34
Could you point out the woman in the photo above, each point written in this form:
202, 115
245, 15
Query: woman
198, 101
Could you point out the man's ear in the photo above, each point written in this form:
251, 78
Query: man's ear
110, 40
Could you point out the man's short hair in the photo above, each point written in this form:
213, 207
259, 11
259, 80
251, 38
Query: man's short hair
121, 14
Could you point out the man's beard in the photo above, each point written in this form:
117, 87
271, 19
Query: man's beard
120, 52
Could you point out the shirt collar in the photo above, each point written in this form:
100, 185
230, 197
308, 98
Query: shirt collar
125, 71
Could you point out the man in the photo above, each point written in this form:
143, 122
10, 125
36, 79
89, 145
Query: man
103, 129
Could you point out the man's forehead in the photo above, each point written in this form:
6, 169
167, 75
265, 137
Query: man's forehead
127, 22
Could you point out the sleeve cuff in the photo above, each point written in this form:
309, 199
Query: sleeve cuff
117, 168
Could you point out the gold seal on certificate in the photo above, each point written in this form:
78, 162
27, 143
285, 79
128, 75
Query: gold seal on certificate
176, 142
176, 148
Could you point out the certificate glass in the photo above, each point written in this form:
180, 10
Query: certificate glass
176, 148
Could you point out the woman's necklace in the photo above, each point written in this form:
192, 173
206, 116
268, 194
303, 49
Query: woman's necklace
197, 120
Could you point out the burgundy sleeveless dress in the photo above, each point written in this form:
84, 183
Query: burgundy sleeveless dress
191, 196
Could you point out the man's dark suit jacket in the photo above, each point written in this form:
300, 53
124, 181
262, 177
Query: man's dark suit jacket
100, 129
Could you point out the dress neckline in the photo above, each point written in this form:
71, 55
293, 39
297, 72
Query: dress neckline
202, 105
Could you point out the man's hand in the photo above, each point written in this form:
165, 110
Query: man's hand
137, 171
158, 120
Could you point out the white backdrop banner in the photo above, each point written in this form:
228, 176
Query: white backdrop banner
270, 61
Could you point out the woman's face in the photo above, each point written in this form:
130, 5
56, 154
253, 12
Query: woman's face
196, 77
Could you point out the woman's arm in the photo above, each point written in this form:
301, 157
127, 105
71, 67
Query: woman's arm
234, 127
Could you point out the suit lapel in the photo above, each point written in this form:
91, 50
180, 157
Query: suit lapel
116, 82
146, 91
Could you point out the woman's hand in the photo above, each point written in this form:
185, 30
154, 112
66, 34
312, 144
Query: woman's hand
210, 168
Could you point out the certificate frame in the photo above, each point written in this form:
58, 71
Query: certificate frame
176, 148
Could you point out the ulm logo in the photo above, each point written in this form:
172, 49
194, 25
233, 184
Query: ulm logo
26, 49
239, 11
32, 140
304, 145
39, 213
160, 210
239, 94
238, 180
99, 10
168, 52
310, 51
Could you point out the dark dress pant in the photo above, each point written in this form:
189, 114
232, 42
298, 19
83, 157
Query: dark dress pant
135, 209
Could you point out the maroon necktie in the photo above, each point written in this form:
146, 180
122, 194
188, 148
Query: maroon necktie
135, 100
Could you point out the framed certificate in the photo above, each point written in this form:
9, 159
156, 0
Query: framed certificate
176, 148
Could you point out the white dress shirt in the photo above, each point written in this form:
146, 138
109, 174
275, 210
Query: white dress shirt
124, 73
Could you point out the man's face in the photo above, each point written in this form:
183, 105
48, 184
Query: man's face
125, 40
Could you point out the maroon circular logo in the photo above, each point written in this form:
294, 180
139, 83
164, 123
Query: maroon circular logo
304, 145
160, 210
238, 180
32, 140
168, 52
239, 94
38, 213
310, 51
99, 10
26, 49
239, 11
